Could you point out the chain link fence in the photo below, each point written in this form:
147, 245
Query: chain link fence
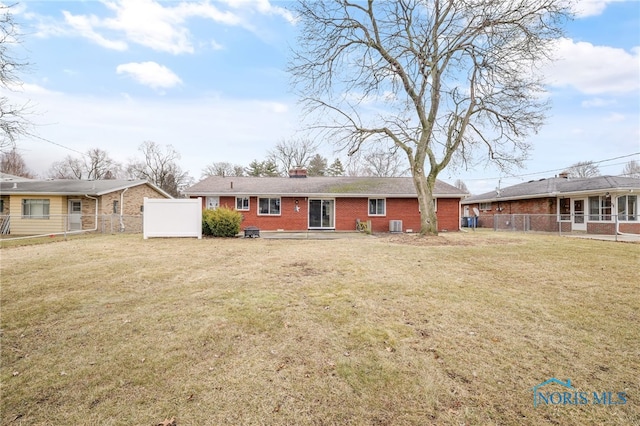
552, 223
17, 226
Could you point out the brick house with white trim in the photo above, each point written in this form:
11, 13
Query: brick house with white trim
301, 203
596, 205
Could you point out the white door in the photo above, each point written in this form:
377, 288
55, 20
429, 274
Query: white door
578, 214
75, 215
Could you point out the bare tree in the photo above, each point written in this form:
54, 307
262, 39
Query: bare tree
13, 122
159, 166
583, 169
222, 168
292, 153
461, 185
12, 163
632, 169
99, 165
69, 168
95, 164
439, 79
383, 164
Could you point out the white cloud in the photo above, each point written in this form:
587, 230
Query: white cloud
597, 103
594, 69
262, 6
84, 26
158, 25
150, 74
615, 117
585, 8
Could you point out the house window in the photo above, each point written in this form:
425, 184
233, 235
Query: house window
599, 208
377, 207
242, 203
213, 203
116, 206
1, 206
485, 206
269, 206
628, 207
35, 208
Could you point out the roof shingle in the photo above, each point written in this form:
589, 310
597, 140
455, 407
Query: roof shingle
338, 186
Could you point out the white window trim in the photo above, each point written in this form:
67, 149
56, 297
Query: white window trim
248, 204
269, 214
600, 217
484, 209
43, 201
637, 215
384, 213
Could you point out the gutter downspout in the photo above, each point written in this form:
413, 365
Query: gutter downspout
96, 219
122, 209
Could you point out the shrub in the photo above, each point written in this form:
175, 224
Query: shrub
221, 222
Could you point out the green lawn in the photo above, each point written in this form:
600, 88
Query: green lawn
456, 329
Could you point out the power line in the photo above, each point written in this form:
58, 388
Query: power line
58, 144
556, 170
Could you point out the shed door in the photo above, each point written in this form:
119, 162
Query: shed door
75, 215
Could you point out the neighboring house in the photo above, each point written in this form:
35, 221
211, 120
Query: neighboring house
34, 207
596, 205
300, 203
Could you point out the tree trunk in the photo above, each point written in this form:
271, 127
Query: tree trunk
424, 187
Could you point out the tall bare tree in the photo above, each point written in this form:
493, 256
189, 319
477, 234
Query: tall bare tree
160, 166
583, 169
95, 164
383, 164
11, 162
444, 79
632, 169
288, 154
13, 121
222, 168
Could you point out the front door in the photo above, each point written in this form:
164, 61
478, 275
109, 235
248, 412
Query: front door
578, 214
75, 215
322, 214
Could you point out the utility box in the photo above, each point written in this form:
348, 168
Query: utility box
395, 226
251, 232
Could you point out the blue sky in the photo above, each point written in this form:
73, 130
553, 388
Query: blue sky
208, 78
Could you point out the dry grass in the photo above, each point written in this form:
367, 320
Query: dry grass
116, 330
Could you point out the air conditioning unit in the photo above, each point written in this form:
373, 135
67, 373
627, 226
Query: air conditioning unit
395, 226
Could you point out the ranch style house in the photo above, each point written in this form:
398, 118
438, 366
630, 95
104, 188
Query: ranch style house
595, 205
301, 203
39, 207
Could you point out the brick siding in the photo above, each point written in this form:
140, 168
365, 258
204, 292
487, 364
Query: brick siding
347, 210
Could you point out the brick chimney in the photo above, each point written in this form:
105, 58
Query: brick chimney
298, 172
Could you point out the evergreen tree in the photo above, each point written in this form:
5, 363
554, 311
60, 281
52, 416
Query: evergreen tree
317, 166
336, 168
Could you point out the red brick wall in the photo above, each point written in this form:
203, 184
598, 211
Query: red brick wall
347, 210
629, 228
605, 228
